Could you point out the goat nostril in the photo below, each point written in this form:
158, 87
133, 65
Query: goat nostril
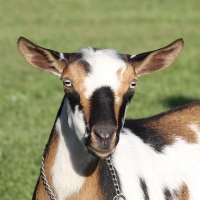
104, 132
103, 136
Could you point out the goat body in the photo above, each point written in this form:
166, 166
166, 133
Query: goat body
156, 158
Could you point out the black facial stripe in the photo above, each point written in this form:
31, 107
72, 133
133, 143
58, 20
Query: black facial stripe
86, 66
72, 57
106, 182
74, 99
144, 189
102, 107
126, 99
77, 57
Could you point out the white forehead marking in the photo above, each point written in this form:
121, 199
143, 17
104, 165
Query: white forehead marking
104, 66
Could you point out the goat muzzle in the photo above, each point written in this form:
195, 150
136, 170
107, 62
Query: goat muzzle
102, 140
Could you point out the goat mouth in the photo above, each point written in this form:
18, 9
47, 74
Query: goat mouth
99, 153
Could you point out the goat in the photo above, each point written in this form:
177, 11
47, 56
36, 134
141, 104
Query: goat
93, 152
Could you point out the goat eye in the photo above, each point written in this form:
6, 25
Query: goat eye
67, 83
132, 85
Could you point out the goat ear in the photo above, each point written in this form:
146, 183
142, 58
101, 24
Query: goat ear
156, 60
41, 58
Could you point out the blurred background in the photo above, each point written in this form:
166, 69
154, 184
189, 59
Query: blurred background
29, 98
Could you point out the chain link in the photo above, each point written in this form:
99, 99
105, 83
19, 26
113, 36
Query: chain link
47, 186
115, 181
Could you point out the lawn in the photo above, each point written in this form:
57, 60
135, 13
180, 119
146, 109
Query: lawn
29, 98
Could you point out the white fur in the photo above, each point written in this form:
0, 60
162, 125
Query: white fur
194, 127
132, 56
177, 164
62, 56
70, 161
57, 74
76, 122
104, 63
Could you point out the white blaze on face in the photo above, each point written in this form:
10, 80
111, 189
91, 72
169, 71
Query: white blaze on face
104, 64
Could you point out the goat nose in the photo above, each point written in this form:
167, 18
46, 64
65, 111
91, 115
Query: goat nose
104, 132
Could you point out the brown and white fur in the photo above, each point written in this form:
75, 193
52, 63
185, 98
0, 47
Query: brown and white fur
156, 158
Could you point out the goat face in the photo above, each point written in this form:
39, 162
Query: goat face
98, 85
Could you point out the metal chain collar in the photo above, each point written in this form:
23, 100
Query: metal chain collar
47, 186
118, 195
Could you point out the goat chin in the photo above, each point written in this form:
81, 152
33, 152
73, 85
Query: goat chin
99, 153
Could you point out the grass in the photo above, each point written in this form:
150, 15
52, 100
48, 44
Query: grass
30, 98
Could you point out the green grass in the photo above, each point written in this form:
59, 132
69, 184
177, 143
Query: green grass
29, 98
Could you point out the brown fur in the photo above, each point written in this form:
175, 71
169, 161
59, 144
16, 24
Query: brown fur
180, 194
77, 74
41, 192
183, 193
39, 57
159, 59
167, 123
125, 78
